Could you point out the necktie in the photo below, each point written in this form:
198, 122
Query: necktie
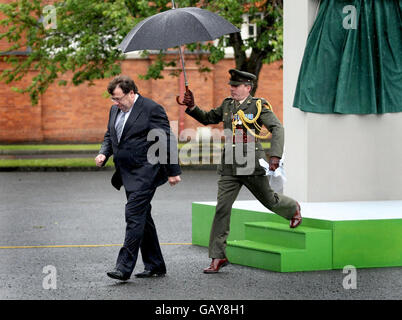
237, 105
119, 126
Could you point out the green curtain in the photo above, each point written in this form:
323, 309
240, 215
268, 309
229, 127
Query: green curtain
356, 70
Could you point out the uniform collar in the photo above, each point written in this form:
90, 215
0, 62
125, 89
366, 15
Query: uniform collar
241, 101
245, 102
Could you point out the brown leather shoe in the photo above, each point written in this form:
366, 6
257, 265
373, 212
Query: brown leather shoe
216, 264
297, 218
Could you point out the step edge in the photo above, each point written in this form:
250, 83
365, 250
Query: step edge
241, 244
303, 229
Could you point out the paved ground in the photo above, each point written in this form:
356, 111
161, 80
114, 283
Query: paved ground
82, 208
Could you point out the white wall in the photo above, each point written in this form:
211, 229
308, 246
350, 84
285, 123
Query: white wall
331, 157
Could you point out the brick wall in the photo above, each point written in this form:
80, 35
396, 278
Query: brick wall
79, 114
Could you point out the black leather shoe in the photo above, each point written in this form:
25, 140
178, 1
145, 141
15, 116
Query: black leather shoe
117, 274
149, 274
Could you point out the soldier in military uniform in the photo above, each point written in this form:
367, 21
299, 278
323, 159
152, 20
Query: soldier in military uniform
243, 117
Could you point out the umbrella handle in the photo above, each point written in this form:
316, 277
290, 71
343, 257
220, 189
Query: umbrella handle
178, 97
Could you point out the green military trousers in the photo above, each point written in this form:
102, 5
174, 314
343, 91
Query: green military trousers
228, 190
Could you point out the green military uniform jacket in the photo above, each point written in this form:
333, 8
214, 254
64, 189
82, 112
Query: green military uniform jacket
225, 113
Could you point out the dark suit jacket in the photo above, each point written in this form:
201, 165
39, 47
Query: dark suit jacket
141, 160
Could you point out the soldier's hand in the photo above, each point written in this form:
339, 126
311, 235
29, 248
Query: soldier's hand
188, 99
274, 163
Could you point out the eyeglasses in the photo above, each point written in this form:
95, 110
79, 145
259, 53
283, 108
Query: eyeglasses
118, 99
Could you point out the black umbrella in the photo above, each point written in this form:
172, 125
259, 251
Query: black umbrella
176, 27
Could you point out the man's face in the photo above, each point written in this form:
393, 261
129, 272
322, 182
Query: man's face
123, 101
240, 92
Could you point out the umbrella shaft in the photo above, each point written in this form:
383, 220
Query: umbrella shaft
181, 57
183, 67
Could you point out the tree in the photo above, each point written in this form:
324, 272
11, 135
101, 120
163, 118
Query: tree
266, 46
82, 37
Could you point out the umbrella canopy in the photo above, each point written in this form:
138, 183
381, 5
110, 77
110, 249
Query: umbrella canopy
176, 27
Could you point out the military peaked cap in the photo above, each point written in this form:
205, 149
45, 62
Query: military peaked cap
238, 77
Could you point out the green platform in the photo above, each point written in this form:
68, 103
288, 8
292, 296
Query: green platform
332, 235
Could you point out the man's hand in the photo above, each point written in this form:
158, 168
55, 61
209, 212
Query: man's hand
189, 99
100, 159
274, 163
174, 180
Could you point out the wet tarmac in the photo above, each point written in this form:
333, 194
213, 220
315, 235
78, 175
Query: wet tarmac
73, 223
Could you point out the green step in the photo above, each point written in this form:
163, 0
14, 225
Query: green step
362, 243
274, 246
259, 255
264, 247
279, 234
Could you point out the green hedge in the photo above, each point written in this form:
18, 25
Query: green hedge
60, 162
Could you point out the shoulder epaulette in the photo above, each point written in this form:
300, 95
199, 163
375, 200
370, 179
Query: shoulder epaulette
262, 99
265, 103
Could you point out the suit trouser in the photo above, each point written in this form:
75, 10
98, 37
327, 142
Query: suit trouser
228, 190
140, 234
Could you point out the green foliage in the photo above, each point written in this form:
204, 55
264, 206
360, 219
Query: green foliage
84, 41
88, 32
155, 69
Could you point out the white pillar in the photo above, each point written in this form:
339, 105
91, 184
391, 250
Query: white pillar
330, 157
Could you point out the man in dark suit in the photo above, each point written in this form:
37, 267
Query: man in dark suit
145, 156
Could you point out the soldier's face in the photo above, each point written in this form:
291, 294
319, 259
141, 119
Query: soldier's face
240, 92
